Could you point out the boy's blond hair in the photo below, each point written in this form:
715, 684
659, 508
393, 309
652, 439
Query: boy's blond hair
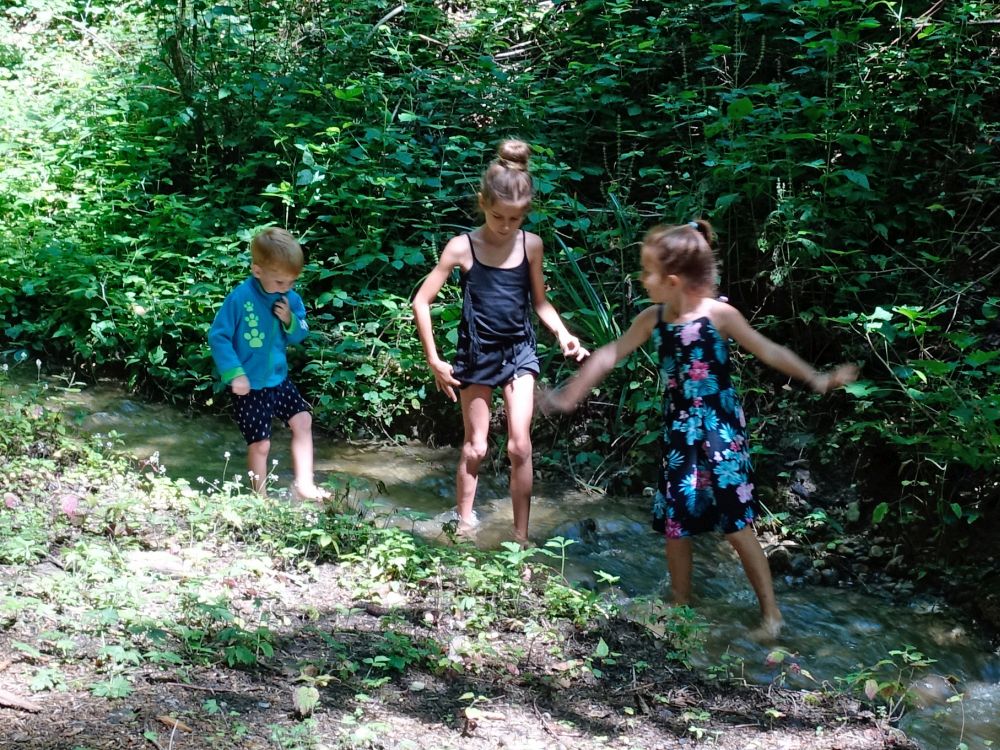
277, 247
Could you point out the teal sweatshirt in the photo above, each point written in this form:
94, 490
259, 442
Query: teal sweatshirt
246, 338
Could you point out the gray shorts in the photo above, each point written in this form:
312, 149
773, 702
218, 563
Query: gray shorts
498, 365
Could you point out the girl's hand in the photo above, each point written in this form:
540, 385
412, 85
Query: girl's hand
571, 348
551, 400
445, 381
827, 381
282, 311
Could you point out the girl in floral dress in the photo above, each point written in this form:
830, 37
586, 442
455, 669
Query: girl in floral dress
705, 481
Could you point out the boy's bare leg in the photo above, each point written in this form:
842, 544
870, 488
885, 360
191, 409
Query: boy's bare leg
679, 563
476, 418
257, 464
302, 458
758, 572
519, 397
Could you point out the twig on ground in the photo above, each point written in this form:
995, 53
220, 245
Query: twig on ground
10, 700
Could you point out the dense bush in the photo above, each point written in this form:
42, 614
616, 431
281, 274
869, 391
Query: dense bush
846, 153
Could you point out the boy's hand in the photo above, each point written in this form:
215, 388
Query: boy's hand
445, 381
571, 348
240, 385
282, 311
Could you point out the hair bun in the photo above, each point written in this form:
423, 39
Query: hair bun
514, 154
702, 227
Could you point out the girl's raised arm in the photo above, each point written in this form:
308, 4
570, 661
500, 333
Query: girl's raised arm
731, 323
600, 363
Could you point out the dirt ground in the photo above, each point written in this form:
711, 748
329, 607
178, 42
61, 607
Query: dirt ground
535, 702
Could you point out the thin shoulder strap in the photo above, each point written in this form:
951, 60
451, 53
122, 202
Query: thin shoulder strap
472, 247
524, 247
661, 312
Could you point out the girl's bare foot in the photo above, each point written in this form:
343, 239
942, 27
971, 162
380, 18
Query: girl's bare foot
304, 492
768, 630
523, 541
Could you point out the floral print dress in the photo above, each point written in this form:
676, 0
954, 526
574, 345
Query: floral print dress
705, 475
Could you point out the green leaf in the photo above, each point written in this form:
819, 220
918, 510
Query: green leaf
861, 389
880, 512
116, 687
28, 649
979, 358
739, 108
305, 699
858, 178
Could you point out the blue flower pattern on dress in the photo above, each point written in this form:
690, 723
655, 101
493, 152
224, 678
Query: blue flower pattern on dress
705, 478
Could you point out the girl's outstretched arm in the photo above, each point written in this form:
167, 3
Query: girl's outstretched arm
731, 323
600, 363
455, 253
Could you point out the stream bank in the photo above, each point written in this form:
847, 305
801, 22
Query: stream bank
836, 628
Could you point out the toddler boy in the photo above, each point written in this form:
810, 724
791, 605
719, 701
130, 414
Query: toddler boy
248, 337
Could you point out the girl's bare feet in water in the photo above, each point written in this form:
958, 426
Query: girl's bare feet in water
311, 492
524, 541
768, 630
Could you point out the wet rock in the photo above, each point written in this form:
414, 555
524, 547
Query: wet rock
800, 564
802, 484
780, 559
989, 607
896, 565
932, 690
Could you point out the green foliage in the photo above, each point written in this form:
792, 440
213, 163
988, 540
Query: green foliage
845, 152
887, 683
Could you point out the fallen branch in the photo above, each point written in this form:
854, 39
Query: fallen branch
10, 700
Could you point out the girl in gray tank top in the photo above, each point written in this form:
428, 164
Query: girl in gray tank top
502, 281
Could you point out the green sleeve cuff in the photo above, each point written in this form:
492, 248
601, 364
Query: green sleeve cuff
229, 375
292, 326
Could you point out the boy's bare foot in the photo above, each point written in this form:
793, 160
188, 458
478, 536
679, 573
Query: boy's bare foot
309, 492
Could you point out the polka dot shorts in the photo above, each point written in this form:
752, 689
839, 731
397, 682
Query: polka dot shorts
253, 413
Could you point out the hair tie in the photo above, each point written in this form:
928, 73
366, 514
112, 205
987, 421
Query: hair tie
694, 225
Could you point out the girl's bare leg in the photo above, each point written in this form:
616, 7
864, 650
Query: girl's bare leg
476, 418
257, 464
302, 457
758, 573
679, 564
519, 398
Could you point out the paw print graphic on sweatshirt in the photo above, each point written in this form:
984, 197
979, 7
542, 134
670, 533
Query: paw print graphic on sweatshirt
254, 337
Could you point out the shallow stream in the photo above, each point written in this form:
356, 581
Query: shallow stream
832, 631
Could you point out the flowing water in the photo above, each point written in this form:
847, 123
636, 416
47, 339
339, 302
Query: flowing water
831, 632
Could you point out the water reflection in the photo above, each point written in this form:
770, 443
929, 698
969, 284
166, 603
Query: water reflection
830, 632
